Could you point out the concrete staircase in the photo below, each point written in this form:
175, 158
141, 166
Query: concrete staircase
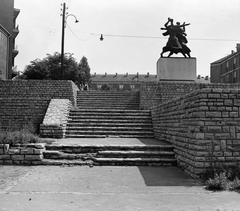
103, 123
113, 116
125, 100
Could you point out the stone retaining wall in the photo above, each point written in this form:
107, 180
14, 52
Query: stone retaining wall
203, 126
154, 93
23, 102
55, 120
29, 154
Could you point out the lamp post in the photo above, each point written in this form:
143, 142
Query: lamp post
64, 20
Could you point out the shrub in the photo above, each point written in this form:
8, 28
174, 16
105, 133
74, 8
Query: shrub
218, 183
235, 185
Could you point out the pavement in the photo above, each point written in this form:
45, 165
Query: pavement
58, 188
108, 188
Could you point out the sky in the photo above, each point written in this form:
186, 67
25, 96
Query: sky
133, 40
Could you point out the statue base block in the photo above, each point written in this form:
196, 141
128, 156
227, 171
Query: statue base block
176, 69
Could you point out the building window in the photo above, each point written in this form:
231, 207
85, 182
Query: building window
120, 86
234, 77
99, 86
227, 78
132, 86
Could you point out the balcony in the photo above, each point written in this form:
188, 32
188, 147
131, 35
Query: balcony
15, 51
15, 13
15, 31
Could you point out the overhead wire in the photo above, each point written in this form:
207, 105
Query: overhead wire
77, 36
52, 29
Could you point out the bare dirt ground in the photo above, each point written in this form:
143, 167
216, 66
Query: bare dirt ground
9, 175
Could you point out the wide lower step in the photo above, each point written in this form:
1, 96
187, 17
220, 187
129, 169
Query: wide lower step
135, 161
89, 148
52, 154
135, 154
110, 132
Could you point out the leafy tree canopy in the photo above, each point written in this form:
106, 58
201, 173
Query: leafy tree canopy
49, 68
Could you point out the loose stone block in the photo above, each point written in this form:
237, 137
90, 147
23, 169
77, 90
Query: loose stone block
37, 151
7, 162
27, 151
37, 162
17, 157
33, 157
5, 157
13, 151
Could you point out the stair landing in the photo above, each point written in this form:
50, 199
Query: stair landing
108, 141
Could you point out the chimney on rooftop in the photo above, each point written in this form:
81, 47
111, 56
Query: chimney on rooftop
238, 47
105, 74
147, 74
126, 75
232, 52
206, 77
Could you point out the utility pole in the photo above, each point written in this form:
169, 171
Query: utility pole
63, 30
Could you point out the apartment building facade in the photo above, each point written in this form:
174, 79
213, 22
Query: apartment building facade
227, 69
8, 33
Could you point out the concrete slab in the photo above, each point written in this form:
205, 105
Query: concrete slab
112, 188
108, 141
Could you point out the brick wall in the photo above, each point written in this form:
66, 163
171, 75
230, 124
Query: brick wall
203, 126
23, 102
154, 93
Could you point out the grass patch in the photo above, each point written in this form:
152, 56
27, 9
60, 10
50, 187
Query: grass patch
24, 135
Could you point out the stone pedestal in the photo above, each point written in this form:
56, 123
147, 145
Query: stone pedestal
176, 69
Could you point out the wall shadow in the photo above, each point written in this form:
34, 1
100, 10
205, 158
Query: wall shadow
166, 176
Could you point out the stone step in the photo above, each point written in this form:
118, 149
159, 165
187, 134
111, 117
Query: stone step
135, 161
109, 132
120, 155
86, 110
109, 128
109, 124
135, 154
109, 107
84, 149
64, 162
95, 113
110, 121
108, 136
108, 117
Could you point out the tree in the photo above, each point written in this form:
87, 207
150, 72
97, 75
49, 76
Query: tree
49, 68
84, 76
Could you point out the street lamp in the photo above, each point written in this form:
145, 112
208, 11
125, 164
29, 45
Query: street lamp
64, 20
